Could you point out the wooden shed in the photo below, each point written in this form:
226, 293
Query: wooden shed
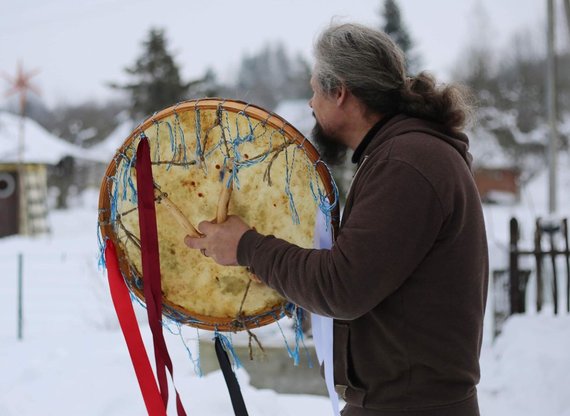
23, 174
494, 181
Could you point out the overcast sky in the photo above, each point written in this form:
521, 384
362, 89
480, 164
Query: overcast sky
80, 44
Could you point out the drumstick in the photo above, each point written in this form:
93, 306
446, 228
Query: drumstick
224, 200
176, 214
174, 211
222, 215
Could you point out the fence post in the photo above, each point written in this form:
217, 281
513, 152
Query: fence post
567, 255
20, 296
538, 257
514, 267
553, 251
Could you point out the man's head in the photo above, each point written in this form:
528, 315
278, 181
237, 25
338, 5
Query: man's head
357, 72
366, 61
360, 75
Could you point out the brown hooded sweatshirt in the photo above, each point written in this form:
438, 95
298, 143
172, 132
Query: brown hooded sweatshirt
406, 278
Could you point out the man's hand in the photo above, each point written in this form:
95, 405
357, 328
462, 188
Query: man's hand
219, 241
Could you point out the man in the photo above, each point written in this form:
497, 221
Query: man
406, 278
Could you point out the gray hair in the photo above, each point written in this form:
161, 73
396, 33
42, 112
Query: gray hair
373, 69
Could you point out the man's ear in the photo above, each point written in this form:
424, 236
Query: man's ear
341, 94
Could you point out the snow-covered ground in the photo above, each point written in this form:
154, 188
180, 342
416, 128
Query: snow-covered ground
527, 370
73, 360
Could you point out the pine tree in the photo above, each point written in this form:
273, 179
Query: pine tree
396, 29
156, 81
271, 76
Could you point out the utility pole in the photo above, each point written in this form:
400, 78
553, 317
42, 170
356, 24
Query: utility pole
21, 85
567, 10
551, 106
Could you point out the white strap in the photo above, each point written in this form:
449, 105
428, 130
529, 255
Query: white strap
323, 326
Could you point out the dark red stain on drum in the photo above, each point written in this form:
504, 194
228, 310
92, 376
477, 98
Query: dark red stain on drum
200, 194
217, 166
188, 184
275, 205
246, 156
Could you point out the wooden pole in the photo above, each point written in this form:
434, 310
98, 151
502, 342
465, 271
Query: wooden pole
554, 274
514, 267
567, 246
20, 296
23, 227
567, 10
21, 85
551, 106
538, 257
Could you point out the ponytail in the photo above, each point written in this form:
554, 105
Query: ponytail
450, 105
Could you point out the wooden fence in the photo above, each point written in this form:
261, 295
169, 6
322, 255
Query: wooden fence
510, 285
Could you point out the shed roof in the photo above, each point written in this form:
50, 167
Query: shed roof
40, 146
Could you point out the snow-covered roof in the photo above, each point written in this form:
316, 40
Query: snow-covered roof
40, 146
486, 150
106, 149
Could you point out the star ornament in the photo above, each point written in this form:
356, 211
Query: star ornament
20, 84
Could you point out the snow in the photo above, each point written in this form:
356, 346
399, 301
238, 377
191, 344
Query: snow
106, 149
486, 150
40, 146
527, 371
73, 359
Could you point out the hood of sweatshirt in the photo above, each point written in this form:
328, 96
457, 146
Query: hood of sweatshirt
401, 124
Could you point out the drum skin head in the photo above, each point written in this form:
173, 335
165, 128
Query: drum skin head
197, 148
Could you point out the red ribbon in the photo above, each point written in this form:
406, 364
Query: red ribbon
155, 398
151, 269
129, 326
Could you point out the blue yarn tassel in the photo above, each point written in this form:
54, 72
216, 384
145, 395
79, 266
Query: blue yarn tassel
101, 264
228, 347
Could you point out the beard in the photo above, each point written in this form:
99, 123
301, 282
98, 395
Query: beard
331, 150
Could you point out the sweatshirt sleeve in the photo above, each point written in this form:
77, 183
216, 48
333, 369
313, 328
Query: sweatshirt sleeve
394, 222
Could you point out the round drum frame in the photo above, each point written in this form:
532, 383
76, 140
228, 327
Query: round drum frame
171, 310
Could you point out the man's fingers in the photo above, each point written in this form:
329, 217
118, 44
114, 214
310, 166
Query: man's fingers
219, 241
205, 226
193, 242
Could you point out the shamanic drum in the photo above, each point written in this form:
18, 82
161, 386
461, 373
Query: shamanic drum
211, 158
